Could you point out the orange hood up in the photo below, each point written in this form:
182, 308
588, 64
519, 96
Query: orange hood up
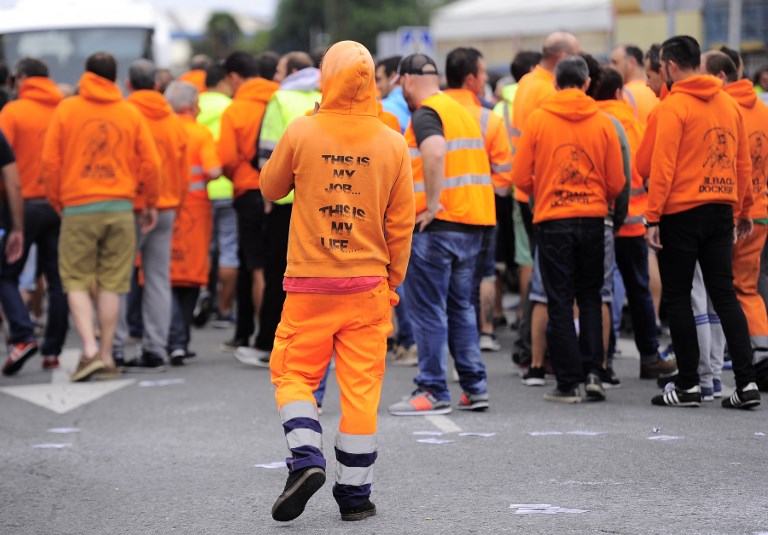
623, 111
571, 104
743, 92
97, 89
151, 104
701, 86
41, 90
348, 80
257, 90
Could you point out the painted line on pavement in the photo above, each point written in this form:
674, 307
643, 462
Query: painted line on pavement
443, 423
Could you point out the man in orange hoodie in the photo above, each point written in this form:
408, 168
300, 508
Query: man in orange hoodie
700, 182
569, 159
240, 126
91, 175
746, 253
348, 251
628, 61
24, 122
465, 71
154, 246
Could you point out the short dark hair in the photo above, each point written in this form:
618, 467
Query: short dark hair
28, 67
102, 64
595, 72
296, 61
242, 63
460, 63
141, 74
634, 52
390, 64
653, 57
571, 71
610, 82
268, 64
683, 50
214, 74
758, 73
524, 61
733, 54
717, 62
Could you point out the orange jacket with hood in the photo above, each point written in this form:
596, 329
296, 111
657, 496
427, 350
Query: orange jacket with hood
171, 142
569, 159
196, 77
645, 151
240, 125
638, 196
756, 119
641, 98
354, 211
93, 145
24, 123
701, 154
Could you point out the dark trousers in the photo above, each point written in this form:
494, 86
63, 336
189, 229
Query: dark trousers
632, 261
571, 255
277, 223
251, 254
703, 234
41, 226
183, 300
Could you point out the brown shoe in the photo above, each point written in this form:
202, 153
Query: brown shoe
86, 368
107, 373
658, 368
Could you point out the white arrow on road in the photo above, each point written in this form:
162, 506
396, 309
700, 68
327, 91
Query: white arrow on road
62, 396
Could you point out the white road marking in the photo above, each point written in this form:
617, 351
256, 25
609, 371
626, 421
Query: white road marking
443, 423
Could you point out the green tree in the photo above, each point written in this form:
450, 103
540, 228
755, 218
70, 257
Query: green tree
222, 36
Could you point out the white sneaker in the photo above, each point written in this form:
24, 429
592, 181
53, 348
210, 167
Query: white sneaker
488, 342
252, 357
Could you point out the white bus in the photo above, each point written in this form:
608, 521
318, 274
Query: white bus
63, 33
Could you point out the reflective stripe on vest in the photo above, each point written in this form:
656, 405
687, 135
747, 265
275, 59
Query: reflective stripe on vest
457, 182
634, 192
454, 145
197, 185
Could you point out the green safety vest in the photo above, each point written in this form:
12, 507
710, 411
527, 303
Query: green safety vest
212, 106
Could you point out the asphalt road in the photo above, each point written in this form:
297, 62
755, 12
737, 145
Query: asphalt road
179, 456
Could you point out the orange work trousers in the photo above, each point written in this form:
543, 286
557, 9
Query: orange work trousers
356, 326
746, 270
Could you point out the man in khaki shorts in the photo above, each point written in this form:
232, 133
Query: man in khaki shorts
98, 156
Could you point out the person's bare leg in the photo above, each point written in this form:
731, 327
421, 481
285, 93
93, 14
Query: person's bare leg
539, 320
108, 304
654, 283
227, 288
526, 272
607, 326
487, 297
257, 291
81, 308
36, 299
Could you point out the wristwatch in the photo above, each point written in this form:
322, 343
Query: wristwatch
648, 224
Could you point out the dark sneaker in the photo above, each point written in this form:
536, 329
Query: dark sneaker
564, 396
609, 378
203, 308
299, 488
358, 513
743, 398
594, 387
18, 355
534, 376
177, 357
419, 403
717, 388
676, 397
230, 345
146, 363
707, 393
50, 362
661, 367
473, 402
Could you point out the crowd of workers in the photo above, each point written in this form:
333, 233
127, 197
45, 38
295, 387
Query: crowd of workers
294, 198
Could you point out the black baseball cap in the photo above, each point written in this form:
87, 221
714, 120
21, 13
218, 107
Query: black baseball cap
415, 64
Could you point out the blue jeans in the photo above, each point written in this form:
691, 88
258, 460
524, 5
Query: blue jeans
403, 312
440, 291
571, 252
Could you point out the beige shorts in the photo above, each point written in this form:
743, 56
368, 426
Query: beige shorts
98, 247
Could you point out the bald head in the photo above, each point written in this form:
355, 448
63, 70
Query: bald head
557, 46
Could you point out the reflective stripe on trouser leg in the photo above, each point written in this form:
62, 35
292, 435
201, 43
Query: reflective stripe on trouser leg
303, 434
355, 455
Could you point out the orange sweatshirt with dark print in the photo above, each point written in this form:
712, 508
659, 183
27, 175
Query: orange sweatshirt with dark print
756, 119
171, 142
240, 125
569, 159
92, 146
354, 211
24, 123
701, 154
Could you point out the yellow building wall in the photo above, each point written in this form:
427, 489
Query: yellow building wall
644, 29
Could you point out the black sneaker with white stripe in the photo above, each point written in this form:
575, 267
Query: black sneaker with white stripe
676, 397
743, 398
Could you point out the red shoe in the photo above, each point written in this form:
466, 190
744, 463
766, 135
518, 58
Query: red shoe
18, 354
50, 362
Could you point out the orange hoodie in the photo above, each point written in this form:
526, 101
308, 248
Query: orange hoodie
641, 98
24, 123
354, 211
756, 119
195, 77
569, 159
638, 197
92, 146
240, 125
645, 151
494, 136
701, 154
171, 142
